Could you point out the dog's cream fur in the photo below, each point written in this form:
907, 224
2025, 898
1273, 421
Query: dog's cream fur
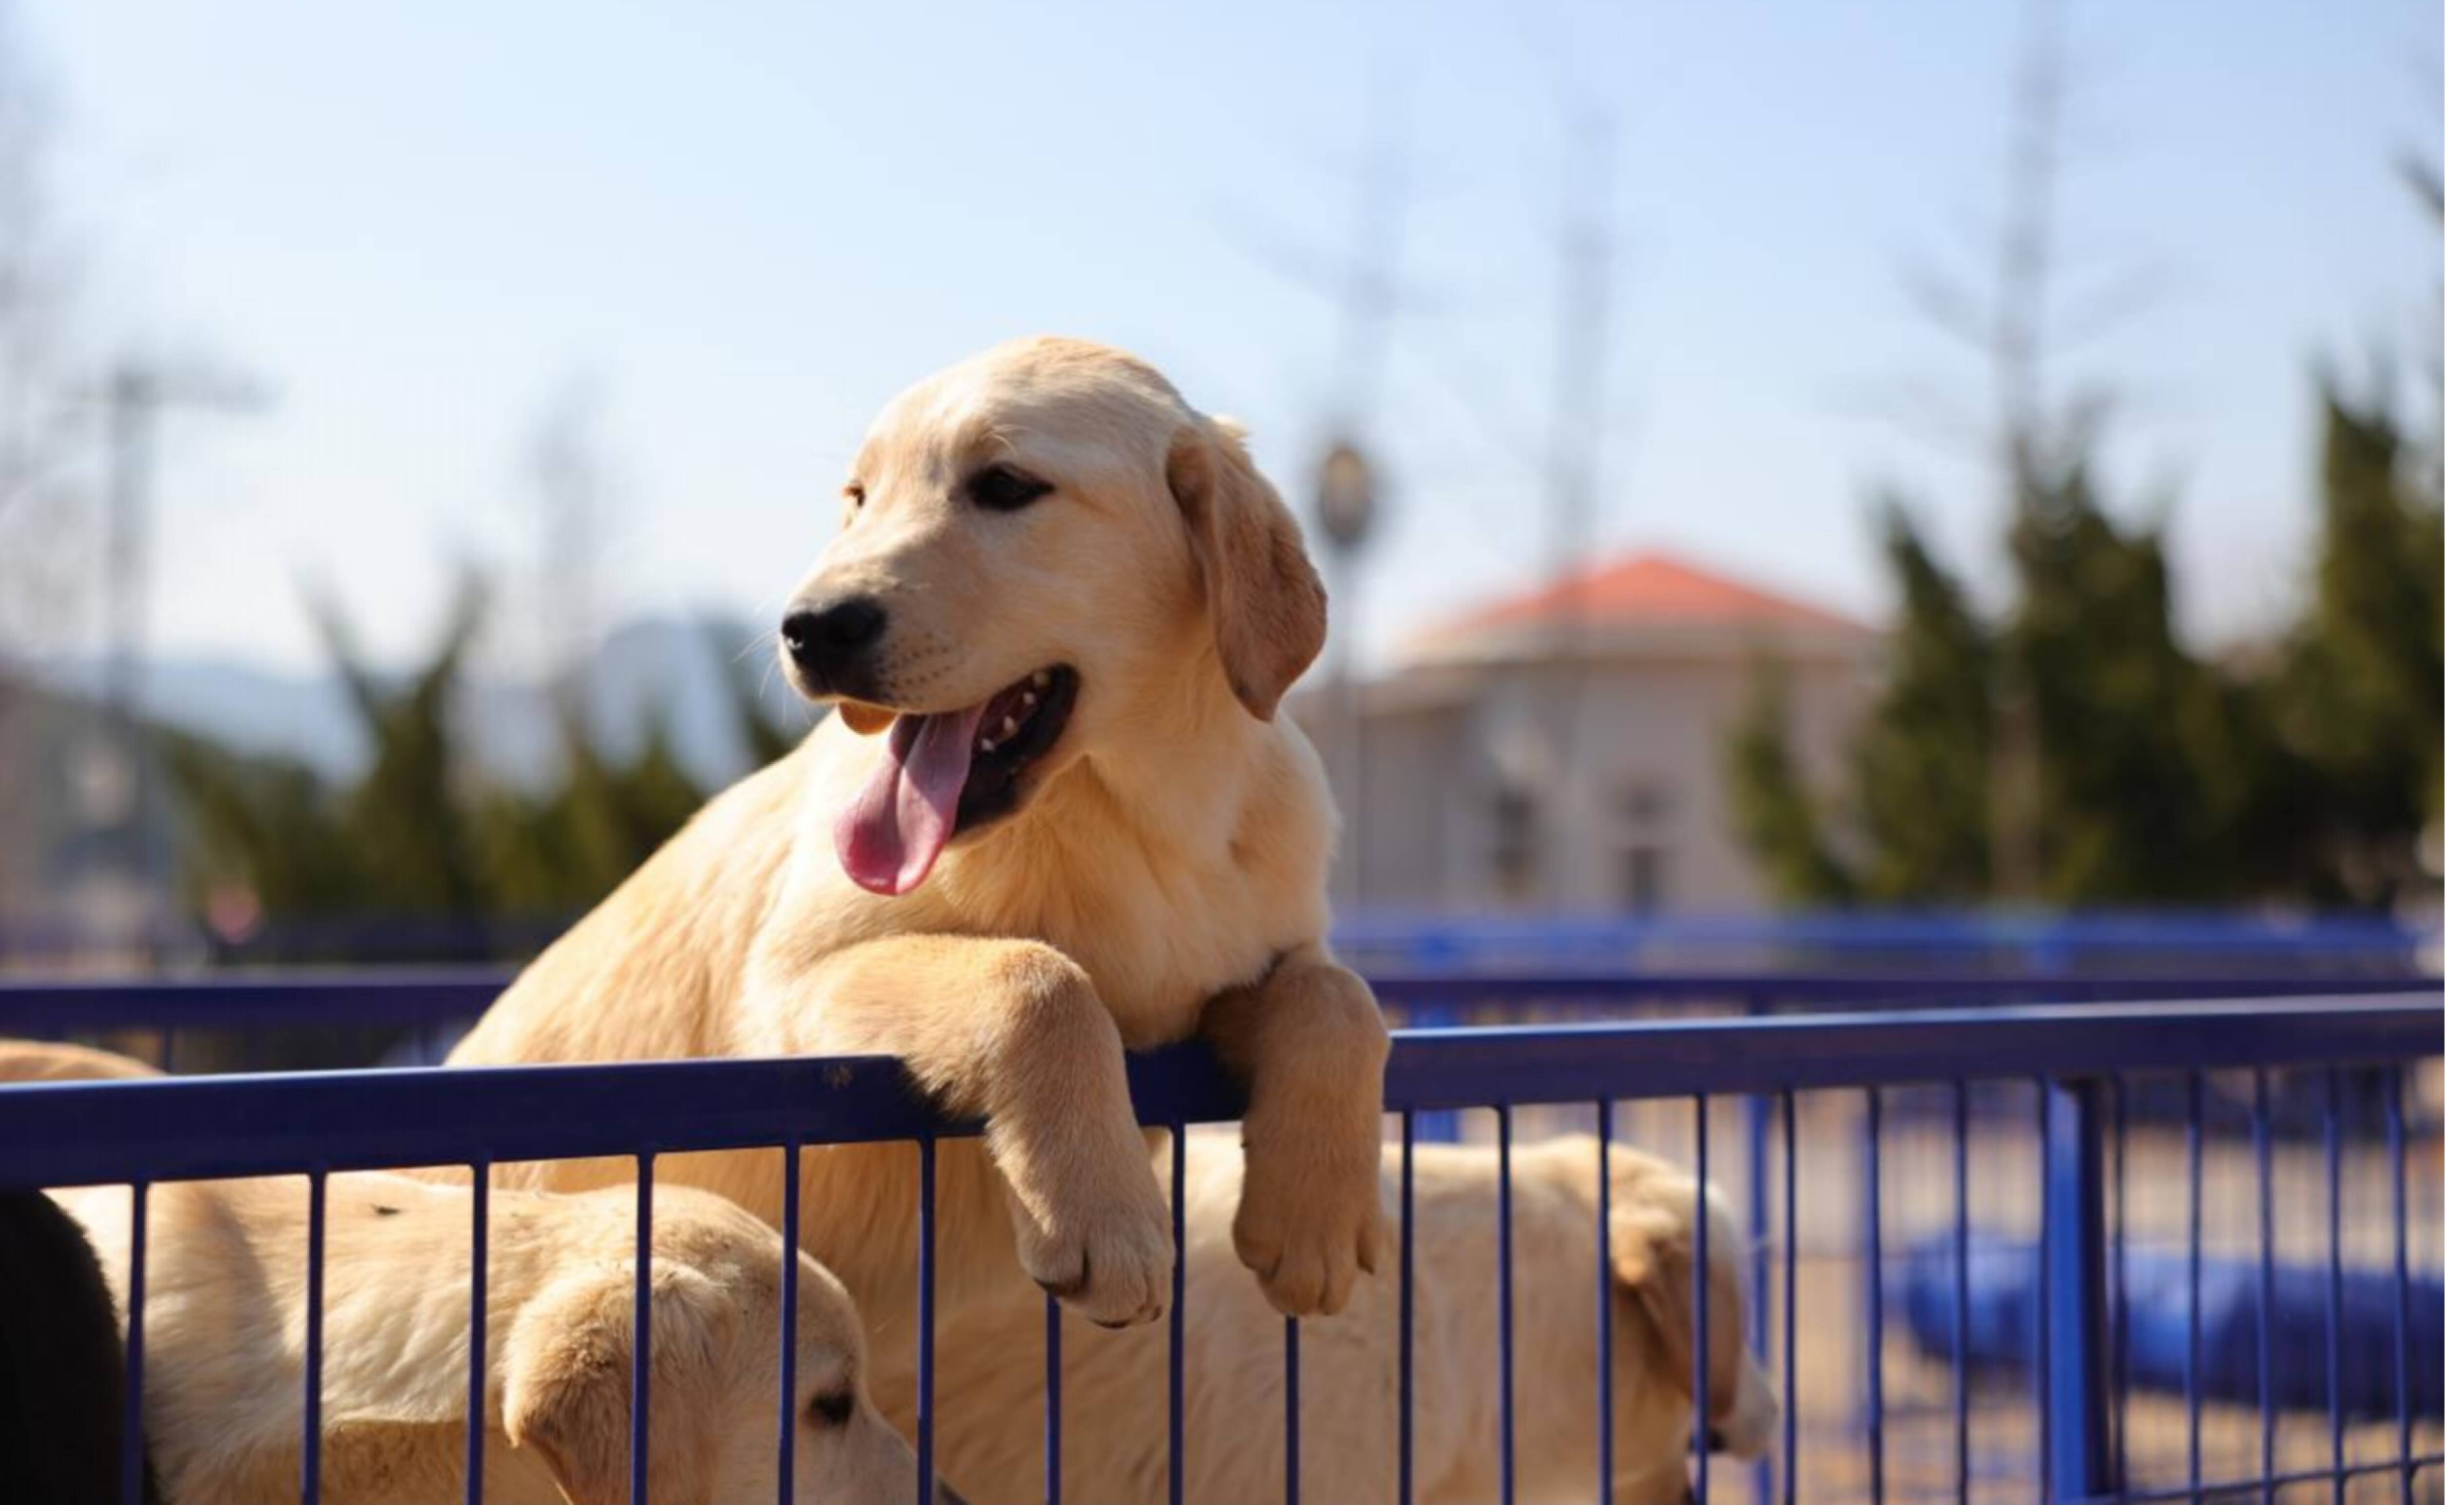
990, 1373
226, 1301
1164, 876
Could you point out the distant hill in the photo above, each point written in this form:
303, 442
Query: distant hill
671, 668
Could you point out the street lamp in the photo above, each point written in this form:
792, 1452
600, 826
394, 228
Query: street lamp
1347, 508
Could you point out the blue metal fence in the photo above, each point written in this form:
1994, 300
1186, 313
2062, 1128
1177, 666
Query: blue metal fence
2071, 1059
2065, 942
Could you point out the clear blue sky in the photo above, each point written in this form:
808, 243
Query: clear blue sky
751, 223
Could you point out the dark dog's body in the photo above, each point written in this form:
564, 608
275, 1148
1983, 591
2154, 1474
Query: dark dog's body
60, 1383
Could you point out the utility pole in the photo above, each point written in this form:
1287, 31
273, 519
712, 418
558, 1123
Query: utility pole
133, 399
2023, 272
1366, 289
1347, 491
1585, 250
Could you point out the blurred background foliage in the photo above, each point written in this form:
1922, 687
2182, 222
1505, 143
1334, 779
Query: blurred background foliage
2305, 769
425, 847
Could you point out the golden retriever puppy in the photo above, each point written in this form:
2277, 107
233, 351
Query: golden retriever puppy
224, 1347
990, 1373
65, 1061
226, 1290
1058, 814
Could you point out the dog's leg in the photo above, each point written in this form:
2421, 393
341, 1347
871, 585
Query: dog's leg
1309, 1045
1012, 1031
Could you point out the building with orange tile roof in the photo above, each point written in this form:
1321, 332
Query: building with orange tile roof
1565, 748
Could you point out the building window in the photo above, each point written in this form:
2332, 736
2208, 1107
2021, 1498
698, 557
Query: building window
1645, 803
1641, 845
1644, 873
1514, 856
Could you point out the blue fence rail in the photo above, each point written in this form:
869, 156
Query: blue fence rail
2066, 943
2073, 1056
438, 998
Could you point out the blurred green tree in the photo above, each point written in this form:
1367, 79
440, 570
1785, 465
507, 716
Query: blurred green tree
421, 842
1772, 809
2156, 777
2359, 694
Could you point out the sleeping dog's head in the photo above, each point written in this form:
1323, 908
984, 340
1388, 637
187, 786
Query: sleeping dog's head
1046, 556
1652, 1249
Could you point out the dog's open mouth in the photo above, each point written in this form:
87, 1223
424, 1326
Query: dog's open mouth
943, 772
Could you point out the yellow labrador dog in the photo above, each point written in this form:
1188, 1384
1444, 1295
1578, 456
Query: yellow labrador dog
1058, 814
991, 1375
225, 1341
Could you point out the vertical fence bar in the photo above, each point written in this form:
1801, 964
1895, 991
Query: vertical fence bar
1604, 1403
929, 1161
1404, 1333
1052, 1403
312, 1401
1758, 1234
170, 1049
2075, 1410
132, 1400
1701, 1324
2263, 1133
1874, 1406
2193, 1130
2336, 1275
475, 1407
1178, 1360
2040, 1351
642, 1166
2120, 1352
1788, 1380
1505, 1304
2403, 1282
1291, 1409
1959, 1288
791, 1241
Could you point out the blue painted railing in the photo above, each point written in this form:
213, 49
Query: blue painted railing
436, 997
141, 1132
2069, 943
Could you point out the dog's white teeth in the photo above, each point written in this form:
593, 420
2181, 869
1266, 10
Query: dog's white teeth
1043, 679
984, 744
1009, 725
1026, 698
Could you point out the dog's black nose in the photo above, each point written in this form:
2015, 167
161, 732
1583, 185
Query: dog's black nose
822, 639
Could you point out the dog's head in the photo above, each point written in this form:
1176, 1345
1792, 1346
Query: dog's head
1046, 556
1652, 1258
714, 1288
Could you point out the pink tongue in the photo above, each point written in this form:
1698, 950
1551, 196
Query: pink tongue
896, 826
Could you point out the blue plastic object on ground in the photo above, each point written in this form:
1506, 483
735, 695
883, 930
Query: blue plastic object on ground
2002, 1322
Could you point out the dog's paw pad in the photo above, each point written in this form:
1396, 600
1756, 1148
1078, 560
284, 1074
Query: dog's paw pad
1116, 1269
1306, 1254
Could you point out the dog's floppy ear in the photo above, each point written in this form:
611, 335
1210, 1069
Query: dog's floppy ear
568, 1388
1268, 604
1651, 1254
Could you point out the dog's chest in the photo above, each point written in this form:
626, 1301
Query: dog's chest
1158, 951
1157, 942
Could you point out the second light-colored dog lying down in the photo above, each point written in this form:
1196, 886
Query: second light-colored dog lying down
225, 1341
990, 1378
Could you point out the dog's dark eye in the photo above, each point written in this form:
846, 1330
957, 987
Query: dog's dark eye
1005, 489
853, 492
831, 1409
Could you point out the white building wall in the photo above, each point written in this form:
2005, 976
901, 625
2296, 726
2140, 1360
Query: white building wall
1644, 788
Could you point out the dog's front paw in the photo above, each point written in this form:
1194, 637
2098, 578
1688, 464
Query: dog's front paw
1311, 1220
1109, 1257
